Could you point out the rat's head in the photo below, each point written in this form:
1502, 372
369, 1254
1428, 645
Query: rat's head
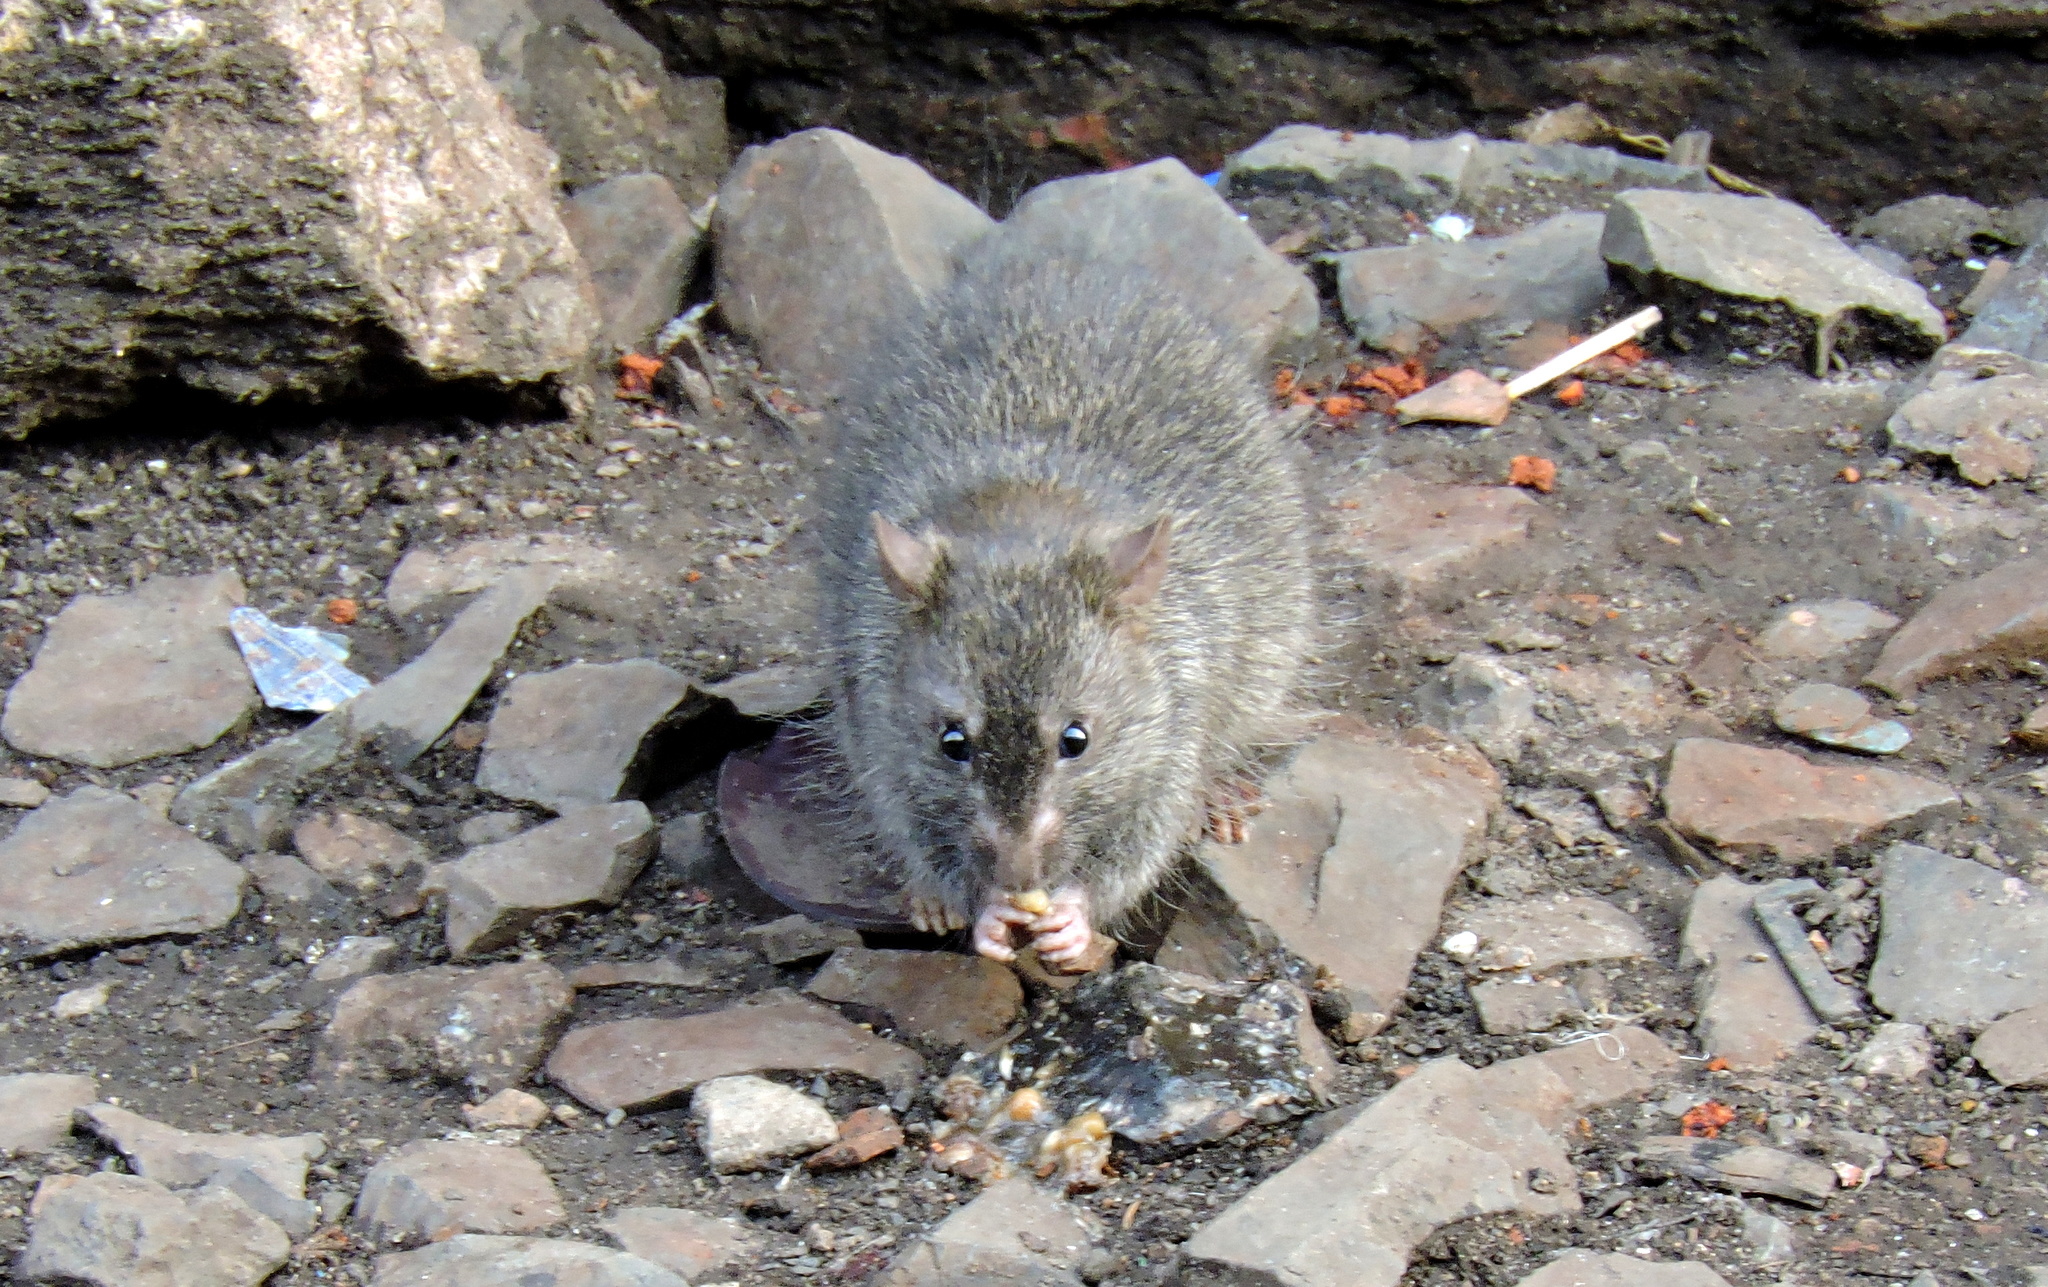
1030, 704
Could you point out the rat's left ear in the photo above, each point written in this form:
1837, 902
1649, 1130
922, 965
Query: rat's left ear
1138, 562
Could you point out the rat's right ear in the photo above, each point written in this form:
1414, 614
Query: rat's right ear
907, 563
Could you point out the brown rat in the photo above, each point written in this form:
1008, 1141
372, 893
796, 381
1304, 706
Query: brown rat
1065, 595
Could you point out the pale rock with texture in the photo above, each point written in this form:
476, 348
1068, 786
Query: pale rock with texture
1738, 1167
424, 575
22, 793
820, 238
1395, 297
1750, 799
1760, 248
1751, 1013
96, 867
1543, 933
1162, 220
488, 1027
1508, 1006
266, 1171
509, 1109
1817, 631
1959, 942
639, 1063
1414, 533
109, 1230
749, 1123
496, 1260
1989, 624
431, 1189
1350, 863
684, 1242
639, 244
568, 737
1960, 17
357, 852
352, 957
1447, 1143
397, 209
2015, 1049
127, 677
1577, 1268
36, 1108
795, 938
1490, 705
1901, 1050
1984, 410
82, 1003
588, 856
1012, 1233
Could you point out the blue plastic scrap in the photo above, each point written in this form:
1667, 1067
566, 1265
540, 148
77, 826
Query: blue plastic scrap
296, 668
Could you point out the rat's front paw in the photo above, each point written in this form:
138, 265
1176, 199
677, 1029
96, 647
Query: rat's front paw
992, 929
1062, 933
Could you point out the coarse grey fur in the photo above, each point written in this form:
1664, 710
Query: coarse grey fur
1034, 414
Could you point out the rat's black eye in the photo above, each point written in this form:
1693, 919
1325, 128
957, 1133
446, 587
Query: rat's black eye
1073, 740
955, 744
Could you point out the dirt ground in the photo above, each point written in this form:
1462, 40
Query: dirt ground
1648, 565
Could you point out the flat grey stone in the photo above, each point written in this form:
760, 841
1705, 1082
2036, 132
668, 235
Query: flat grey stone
2015, 318
22, 793
748, 1123
1490, 705
1902, 1050
424, 575
1766, 1240
490, 828
96, 867
1508, 1006
1350, 862
1740, 1168
1013, 1233
1960, 942
1416, 533
1987, 624
1931, 227
773, 692
2033, 731
683, 1242
509, 1109
1162, 218
820, 238
568, 737
127, 677
1447, 1143
1839, 717
942, 998
359, 853
1577, 1268
36, 1108
488, 1027
434, 1188
1817, 631
1750, 799
285, 881
1984, 410
660, 972
589, 856
797, 938
1760, 248
2015, 1049
638, 1063
247, 803
639, 244
353, 957
1396, 297
266, 1171
687, 848
109, 1230
486, 1260
1543, 933
1751, 1013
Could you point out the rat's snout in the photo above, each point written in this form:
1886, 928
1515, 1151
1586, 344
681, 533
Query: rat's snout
1018, 850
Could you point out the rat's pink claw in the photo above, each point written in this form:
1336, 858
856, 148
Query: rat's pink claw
992, 930
1063, 933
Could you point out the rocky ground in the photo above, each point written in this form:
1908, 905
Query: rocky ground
1516, 963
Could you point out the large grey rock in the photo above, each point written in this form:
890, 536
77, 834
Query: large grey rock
1577, 1268
391, 200
486, 1027
639, 245
2015, 318
1396, 297
1541, 934
434, 1188
1490, 705
266, 1171
1751, 1013
424, 574
36, 1108
566, 738
127, 677
1817, 631
588, 856
819, 238
748, 1123
1960, 942
486, 1260
96, 866
1760, 248
108, 1230
1446, 1144
247, 803
1350, 863
1014, 1234
1161, 218
598, 92
942, 998
1989, 624
698, 1247
1926, 227
1985, 410
637, 1063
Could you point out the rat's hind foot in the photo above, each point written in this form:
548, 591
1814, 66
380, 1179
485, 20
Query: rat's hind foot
1230, 807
